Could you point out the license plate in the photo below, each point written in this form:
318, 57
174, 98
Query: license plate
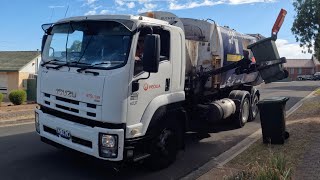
63, 133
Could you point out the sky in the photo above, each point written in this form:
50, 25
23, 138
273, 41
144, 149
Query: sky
21, 20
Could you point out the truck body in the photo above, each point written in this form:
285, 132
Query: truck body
98, 97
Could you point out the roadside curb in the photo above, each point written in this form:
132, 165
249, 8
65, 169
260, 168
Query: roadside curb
231, 153
16, 122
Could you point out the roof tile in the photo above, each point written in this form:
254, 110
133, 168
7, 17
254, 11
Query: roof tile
15, 60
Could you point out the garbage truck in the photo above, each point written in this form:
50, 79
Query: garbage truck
125, 88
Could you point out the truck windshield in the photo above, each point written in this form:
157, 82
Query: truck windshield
88, 43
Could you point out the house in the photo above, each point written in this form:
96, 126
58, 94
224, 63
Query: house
316, 63
297, 67
15, 67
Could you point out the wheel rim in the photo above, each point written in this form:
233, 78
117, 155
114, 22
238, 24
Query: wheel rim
166, 143
245, 111
254, 106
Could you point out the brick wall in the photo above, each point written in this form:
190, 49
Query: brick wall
294, 72
318, 68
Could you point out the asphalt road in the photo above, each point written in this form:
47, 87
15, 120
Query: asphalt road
23, 156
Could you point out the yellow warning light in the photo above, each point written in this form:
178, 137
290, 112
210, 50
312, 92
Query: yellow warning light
150, 14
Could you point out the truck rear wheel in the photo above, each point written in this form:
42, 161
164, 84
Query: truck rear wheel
242, 100
254, 108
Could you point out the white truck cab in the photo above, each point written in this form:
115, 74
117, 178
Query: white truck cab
123, 88
86, 78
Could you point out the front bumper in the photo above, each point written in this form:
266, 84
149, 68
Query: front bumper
83, 138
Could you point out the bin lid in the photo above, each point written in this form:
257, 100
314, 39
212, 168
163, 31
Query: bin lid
261, 41
272, 100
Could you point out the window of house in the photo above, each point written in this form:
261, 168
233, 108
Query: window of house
299, 70
291, 70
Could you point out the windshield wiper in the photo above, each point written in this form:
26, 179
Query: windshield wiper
58, 66
77, 62
97, 64
48, 62
67, 64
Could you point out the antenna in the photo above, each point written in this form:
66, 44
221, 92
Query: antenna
65, 14
52, 12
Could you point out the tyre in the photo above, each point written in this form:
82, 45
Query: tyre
167, 142
254, 111
164, 149
242, 99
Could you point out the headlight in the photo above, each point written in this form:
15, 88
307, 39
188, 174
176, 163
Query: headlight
37, 124
108, 145
108, 141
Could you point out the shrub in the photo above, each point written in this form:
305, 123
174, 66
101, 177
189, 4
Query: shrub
1, 98
18, 97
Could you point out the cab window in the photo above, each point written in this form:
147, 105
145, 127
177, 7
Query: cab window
164, 48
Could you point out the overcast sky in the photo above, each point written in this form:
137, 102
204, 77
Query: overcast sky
21, 20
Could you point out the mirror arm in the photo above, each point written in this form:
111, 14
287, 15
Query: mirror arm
135, 83
143, 78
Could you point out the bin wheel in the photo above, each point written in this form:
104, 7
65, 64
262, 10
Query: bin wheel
242, 99
254, 108
286, 135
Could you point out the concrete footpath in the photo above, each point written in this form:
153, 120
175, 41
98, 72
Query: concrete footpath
21, 114
309, 167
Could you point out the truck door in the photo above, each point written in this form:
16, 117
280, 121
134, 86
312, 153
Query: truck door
157, 84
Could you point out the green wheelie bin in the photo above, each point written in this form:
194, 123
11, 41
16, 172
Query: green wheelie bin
272, 117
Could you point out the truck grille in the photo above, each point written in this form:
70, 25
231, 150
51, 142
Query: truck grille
81, 120
70, 106
67, 100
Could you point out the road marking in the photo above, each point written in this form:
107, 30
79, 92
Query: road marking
234, 151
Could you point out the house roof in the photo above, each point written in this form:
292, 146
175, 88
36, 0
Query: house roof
299, 63
15, 60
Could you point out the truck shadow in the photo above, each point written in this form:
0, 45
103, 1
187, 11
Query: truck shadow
203, 126
36, 160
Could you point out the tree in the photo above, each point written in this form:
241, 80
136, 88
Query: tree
75, 47
306, 26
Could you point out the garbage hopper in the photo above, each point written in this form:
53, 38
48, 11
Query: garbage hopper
266, 50
272, 117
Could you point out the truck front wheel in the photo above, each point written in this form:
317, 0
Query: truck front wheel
164, 149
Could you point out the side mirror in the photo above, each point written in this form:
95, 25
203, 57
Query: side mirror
46, 27
151, 53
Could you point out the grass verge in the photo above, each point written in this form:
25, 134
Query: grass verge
257, 162
275, 168
317, 92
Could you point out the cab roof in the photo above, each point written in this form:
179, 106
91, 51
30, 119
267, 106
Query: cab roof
113, 17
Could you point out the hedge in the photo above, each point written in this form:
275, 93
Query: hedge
17, 97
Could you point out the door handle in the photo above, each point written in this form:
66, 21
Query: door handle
167, 88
